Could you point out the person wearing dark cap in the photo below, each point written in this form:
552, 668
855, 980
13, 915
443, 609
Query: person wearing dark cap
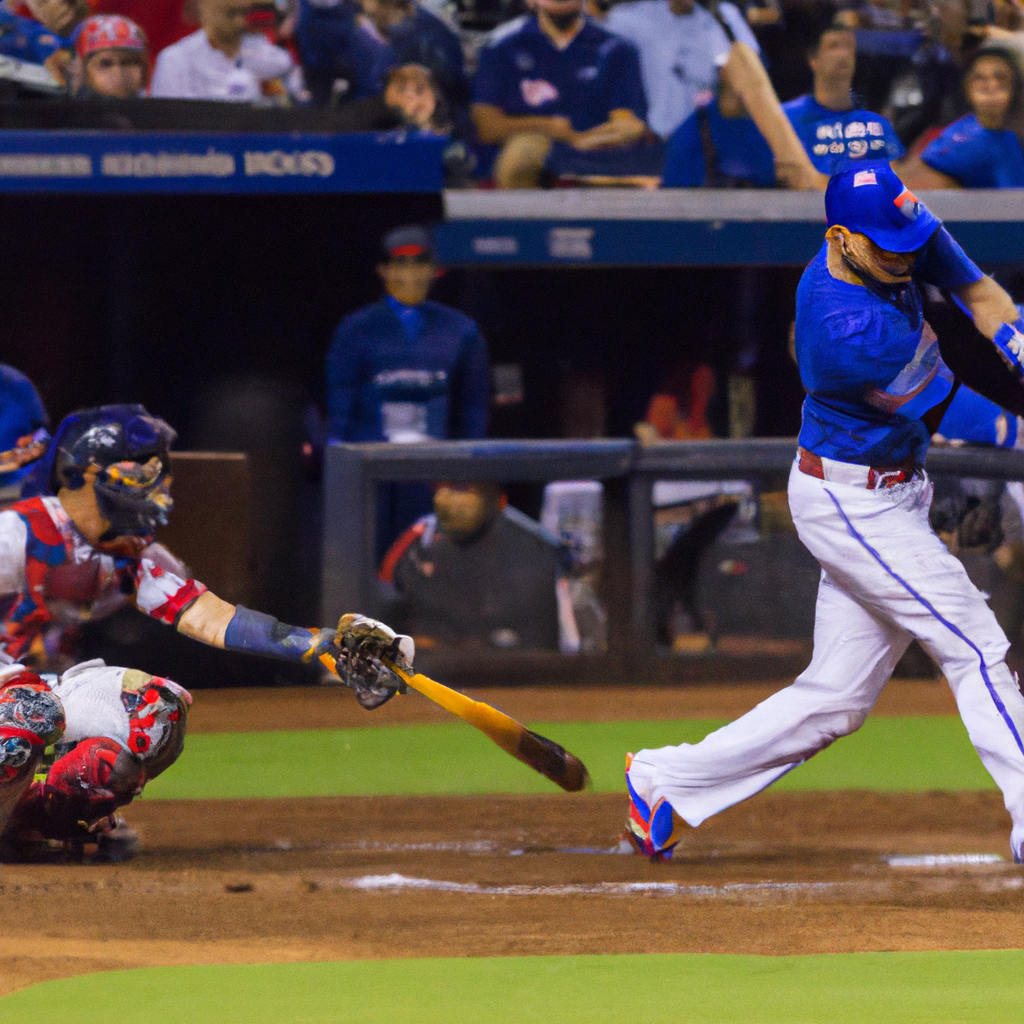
406, 369
876, 387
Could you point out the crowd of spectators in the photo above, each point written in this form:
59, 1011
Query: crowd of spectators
540, 92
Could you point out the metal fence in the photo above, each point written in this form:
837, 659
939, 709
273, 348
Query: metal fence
629, 470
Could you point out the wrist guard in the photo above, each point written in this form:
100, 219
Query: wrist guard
1009, 343
263, 634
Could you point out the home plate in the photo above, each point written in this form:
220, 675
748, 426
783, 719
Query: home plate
944, 860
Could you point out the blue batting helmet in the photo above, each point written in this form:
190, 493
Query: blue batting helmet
872, 201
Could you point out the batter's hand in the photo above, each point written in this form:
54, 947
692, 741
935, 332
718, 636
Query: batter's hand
361, 642
1009, 342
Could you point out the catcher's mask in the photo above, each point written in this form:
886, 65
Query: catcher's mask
130, 450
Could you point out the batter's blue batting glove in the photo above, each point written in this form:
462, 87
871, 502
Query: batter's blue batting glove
1009, 342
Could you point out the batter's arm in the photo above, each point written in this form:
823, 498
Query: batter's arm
989, 304
744, 71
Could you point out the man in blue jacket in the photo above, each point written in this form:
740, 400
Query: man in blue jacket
406, 369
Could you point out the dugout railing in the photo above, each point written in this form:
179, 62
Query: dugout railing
629, 471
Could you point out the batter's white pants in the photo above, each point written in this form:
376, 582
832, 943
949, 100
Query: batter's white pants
886, 578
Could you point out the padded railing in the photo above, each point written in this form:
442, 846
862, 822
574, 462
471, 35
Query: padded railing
352, 472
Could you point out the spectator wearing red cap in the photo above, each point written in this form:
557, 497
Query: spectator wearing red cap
112, 58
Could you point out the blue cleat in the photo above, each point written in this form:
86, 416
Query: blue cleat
653, 831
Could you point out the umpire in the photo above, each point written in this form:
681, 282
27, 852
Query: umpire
406, 369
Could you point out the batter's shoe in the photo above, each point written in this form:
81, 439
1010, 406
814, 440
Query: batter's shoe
653, 831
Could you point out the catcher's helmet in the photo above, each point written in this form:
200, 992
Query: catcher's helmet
130, 448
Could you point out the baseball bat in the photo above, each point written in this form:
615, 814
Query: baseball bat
540, 753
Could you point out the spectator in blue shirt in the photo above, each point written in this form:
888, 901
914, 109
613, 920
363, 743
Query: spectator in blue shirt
26, 39
349, 47
723, 139
415, 36
406, 370
978, 151
834, 131
556, 89
340, 60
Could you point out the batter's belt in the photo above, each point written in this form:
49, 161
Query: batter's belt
871, 477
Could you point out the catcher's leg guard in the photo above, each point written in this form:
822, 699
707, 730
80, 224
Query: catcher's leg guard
30, 718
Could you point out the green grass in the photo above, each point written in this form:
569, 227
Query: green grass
888, 754
873, 988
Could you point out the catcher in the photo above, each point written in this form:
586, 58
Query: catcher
85, 534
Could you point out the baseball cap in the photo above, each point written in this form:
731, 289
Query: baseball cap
108, 32
412, 241
871, 200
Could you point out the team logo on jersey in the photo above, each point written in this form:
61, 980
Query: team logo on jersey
925, 379
908, 204
537, 92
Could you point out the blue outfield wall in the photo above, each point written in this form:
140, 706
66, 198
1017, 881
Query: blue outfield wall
219, 162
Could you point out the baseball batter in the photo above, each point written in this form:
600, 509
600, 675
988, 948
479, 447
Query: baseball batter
859, 498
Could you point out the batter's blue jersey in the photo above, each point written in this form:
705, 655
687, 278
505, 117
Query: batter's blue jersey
869, 363
387, 382
837, 139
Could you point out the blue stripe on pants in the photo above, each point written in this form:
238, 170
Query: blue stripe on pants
949, 625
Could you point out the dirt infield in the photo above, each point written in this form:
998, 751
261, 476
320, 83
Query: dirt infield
365, 877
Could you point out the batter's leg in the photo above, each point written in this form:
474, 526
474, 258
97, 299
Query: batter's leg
896, 565
855, 652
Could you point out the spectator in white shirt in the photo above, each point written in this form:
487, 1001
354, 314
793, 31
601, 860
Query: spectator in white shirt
224, 60
681, 48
